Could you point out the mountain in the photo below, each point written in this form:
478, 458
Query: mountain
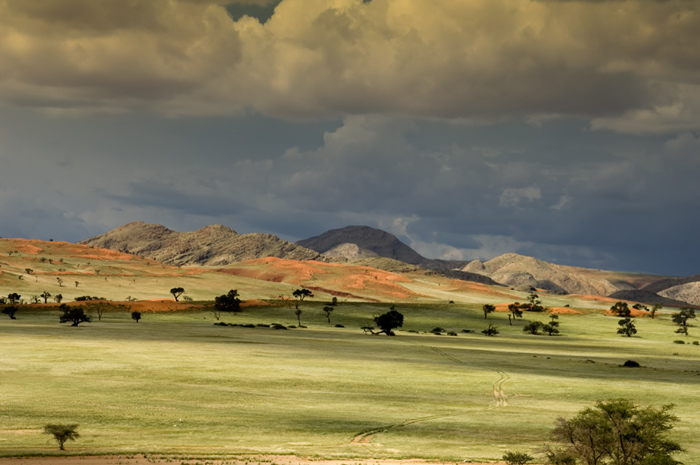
526, 272
361, 242
212, 245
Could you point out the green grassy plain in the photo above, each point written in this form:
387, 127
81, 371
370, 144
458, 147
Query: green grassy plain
176, 383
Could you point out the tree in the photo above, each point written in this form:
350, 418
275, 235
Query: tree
515, 310
533, 327
98, 308
655, 308
45, 295
13, 298
58, 298
77, 283
618, 432
492, 330
60, 282
488, 308
62, 433
10, 311
516, 458
627, 327
177, 292
29, 271
298, 313
681, 319
534, 304
621, 309
228, 302
328, 310
552, 327
75, 315
389, 321
136, 316
300, 295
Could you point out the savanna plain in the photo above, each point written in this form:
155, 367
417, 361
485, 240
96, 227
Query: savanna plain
177, 386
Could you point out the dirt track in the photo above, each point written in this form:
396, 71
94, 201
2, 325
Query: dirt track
241, 460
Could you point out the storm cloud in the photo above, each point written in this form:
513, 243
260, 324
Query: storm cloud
565, 130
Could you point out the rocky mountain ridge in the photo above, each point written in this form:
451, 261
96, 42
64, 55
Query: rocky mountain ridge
214, 245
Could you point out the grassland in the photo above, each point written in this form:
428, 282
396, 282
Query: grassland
177, 383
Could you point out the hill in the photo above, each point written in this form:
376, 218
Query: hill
214, 245
360, 242
527, 272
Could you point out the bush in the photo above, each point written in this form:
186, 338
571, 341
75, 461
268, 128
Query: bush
339, 326
262, 325
278, 326
696, 343
437, 330
516, 458
451, 333
678, 341
631, 364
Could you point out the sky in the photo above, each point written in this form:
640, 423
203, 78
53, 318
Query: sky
567, 130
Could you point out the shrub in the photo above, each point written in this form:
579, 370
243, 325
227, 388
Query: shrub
437, 330
341, 326
278, 326
516, 458
678, 341
696, 343
451, 333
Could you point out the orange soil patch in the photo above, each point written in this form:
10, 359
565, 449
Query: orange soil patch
332, 278
24, 246
564, 310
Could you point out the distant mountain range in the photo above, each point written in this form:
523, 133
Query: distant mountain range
218, 246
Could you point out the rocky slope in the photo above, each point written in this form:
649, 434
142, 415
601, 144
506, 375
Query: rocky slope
524, 272
212, 245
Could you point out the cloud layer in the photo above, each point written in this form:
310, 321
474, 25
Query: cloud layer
632, 66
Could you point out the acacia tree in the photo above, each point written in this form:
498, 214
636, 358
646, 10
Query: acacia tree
300, 295
62, 433
45, 295
515, 311
533, 327
136, 316
328, 310
552, 327
617, 432
75, 315
681, 319
13, 298
488, 308
621, 309
655, 308
177, 292
389, 321
298, 313
627, 327
227, 302
10, 311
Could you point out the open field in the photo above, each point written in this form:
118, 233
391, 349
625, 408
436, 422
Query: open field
177, 384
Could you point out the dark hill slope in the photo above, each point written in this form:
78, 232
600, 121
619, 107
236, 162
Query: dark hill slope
359, 242
211, 245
